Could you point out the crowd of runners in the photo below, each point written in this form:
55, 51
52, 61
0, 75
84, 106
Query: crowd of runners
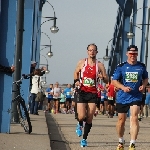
65, 103
123, 93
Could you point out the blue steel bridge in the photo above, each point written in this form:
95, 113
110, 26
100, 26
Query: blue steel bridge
20, 34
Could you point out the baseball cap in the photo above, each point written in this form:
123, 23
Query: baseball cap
33, 62
132, 48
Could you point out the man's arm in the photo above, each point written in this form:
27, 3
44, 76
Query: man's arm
117, 75
43, 69
7, 69
145, 82
117, 84
103, 74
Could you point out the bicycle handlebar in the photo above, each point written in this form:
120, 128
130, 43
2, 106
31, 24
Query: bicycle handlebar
20, 80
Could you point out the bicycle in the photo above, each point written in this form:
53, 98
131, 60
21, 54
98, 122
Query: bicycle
21, 106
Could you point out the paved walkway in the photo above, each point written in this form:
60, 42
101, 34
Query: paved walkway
19, 140
102, 136
61, 129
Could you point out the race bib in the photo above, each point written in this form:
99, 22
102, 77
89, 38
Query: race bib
68, 93
88, 82
102, 97
110, 98
131, 77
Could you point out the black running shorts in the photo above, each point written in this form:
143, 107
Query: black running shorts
123, 108
69, 100
49, 99
87, 97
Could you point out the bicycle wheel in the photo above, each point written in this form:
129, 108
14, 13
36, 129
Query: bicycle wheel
24, 116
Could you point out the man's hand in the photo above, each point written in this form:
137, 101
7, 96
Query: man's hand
77, 83
141, 88
126, 89
100, 76
44, 68
13, 68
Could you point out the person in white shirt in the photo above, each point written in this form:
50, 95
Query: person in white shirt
36, 87
56, 97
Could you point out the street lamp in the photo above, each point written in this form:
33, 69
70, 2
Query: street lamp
47, 71
50, 53
147, 35
106, 57
54, 28
130, 34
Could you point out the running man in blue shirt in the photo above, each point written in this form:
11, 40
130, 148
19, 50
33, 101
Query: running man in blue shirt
49, 92
68, 93
130, 78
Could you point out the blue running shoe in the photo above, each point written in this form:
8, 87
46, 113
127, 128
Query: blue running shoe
77, 126
79, 130
83, 143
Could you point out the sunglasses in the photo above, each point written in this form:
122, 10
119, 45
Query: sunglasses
92, 50
134, 54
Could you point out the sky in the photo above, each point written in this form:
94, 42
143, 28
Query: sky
80, 23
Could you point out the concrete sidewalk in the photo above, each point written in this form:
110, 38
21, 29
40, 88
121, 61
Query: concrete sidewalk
61, 129
103, 133
19, 140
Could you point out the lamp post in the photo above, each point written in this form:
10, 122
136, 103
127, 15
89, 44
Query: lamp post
18, 58
54, 28
50, 53
106, 57
130, 35
47, 71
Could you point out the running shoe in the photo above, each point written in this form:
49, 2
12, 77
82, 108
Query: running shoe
120, 146
83, 143
73, 112
79, 130
111, 115
139, 118
132, 147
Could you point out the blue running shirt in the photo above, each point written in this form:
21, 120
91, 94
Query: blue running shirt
103, 95
49, 90
68, 92
131, 76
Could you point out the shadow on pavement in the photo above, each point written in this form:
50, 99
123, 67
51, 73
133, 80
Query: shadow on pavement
57, 141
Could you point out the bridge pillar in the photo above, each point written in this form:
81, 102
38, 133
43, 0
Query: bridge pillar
7, 43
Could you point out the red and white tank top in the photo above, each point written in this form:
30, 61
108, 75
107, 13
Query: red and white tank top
89, 76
